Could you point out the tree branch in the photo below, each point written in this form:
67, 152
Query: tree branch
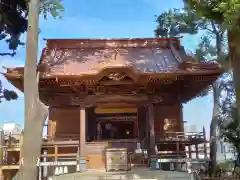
210, 30
215, 31
8, 54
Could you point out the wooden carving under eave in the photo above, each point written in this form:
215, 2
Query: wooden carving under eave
106, 98
157, 99
116, 76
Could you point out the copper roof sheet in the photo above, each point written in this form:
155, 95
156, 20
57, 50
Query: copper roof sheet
79, 57
91, 56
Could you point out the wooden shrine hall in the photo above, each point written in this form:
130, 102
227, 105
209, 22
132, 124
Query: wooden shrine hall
117, 93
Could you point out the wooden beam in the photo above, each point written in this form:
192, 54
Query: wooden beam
59, 155
68, 142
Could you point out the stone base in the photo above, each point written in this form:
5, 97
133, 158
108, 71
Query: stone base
154, 165
82, 166
134, 174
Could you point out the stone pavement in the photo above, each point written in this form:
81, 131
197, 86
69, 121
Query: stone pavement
135, 174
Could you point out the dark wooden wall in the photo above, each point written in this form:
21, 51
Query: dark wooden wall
67, 120
64, 121
91, 124
167, 111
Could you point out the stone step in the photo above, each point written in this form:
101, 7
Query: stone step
100, 177
138, 174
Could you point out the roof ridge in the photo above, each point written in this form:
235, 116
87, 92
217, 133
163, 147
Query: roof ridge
112, 43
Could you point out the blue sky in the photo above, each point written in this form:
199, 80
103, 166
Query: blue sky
104, 19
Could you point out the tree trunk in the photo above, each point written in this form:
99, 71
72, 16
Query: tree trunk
234, 55
35, 114
216, 96
32, 141
213, 128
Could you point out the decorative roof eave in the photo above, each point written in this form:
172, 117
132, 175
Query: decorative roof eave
13, 75
185, 68
143, 78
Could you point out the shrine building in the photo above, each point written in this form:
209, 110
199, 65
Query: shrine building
118, 93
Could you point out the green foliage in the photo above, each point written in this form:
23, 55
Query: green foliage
14, 19
230, 129
226, 164
205, 9
224, 12
51, 7
7, 94
14, 22
205, 49
174, 22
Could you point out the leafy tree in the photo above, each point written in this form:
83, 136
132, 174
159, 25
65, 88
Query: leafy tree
230, 127
14, 17
175, 23
7, 94
14, 22
226, 13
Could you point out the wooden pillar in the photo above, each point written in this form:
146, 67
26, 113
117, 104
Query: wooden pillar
55, 152
147, 131
152, 152
1, 173
196, 149
190, 151
151, 128
205, 144
82, 131
178, 147
181, 118
2, 143
147, 123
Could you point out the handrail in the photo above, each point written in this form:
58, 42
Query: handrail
179, 136
46, 144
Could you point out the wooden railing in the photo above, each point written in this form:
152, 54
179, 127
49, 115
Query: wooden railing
63, 137
59, 149
10, 149
172, 144
180, 136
